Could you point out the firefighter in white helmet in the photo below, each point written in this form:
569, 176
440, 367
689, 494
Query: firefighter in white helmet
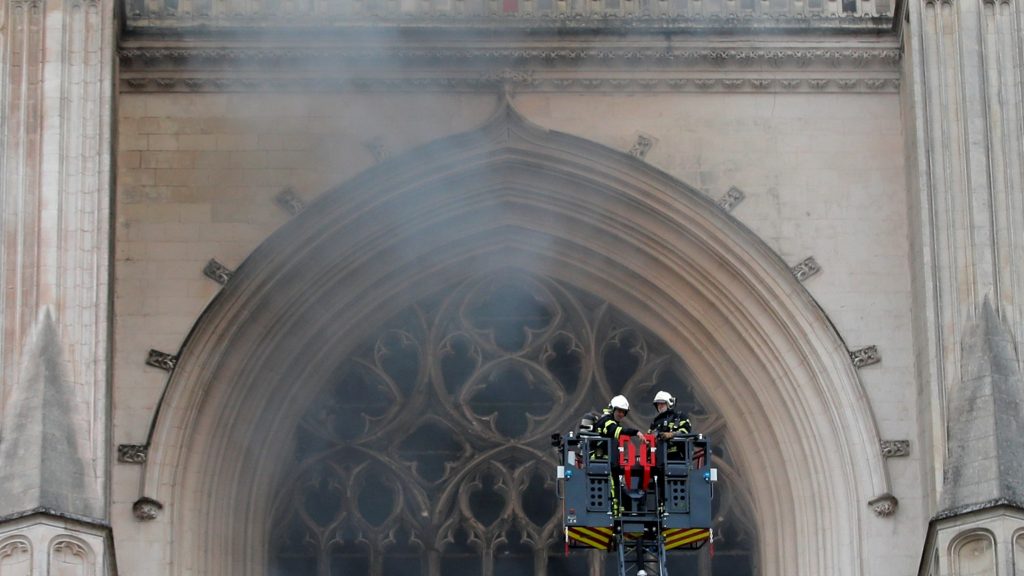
668, 422
609, 424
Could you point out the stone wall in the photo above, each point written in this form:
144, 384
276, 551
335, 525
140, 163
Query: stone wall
821, 175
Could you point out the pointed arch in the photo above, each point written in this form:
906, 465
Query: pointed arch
514, 194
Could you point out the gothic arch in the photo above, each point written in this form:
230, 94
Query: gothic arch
514, 194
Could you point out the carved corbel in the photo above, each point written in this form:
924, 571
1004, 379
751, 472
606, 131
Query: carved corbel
884, 505
866, 356
731, 199
162, 360
806, 268
217, 272
146, 508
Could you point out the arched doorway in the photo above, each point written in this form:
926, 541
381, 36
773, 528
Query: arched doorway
427, 452
515, 196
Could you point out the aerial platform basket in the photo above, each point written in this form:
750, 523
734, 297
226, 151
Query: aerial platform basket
638, 497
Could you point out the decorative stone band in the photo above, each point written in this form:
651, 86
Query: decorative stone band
806, 268
140, 81
644, 143
895, 448
676, 57
146, 508
217, 272
866, 356
290, 201
132, 453
162, 360
884, 505
731, 199
491, 15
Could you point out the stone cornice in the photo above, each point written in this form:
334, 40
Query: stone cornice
524, 81
44, 511
596, 21
636, 65
734, 57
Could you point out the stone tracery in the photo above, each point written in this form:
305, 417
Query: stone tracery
427, 451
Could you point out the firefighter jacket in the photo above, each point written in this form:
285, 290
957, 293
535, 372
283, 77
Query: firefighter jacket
608, 427
670, 421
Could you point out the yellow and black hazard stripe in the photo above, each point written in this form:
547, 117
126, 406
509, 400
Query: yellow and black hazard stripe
679, 537
595, 537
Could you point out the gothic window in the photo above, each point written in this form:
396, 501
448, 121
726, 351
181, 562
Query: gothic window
974, 555
427, 452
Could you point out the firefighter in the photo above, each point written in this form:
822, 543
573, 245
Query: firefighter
608, 425
667, 422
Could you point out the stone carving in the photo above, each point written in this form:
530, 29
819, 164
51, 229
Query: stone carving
895, 448
750, 58
884, 505
71, 553
865, 356
465, 457
731, 199
146, 508
602, 14
16, 552
446, 81
643, 145
508, 76
162, 360
217, 272
806, 268
132, 453
290, 201
378, 149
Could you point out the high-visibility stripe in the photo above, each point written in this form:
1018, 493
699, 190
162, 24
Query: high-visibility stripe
587, 541
599, 538
598, 533
684, 537
673, 534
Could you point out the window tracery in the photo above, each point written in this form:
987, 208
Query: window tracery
427, 452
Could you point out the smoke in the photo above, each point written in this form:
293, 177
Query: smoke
422, 440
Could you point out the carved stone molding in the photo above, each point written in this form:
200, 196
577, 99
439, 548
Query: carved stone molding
162, 360
643, 145
895, 448
132, 453
290, 201
624, 84
146, 509
70, 552
597, 15
217, 272
884, 505
728, 57
865, 356
806, 268
16, 547
508, 76
731, 199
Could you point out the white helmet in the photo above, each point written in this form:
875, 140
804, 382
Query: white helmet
663, 396
619, 403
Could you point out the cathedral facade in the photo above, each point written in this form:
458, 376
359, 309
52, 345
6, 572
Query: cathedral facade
303, 287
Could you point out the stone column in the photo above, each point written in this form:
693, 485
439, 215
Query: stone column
56, 95
963, 103
962, 98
